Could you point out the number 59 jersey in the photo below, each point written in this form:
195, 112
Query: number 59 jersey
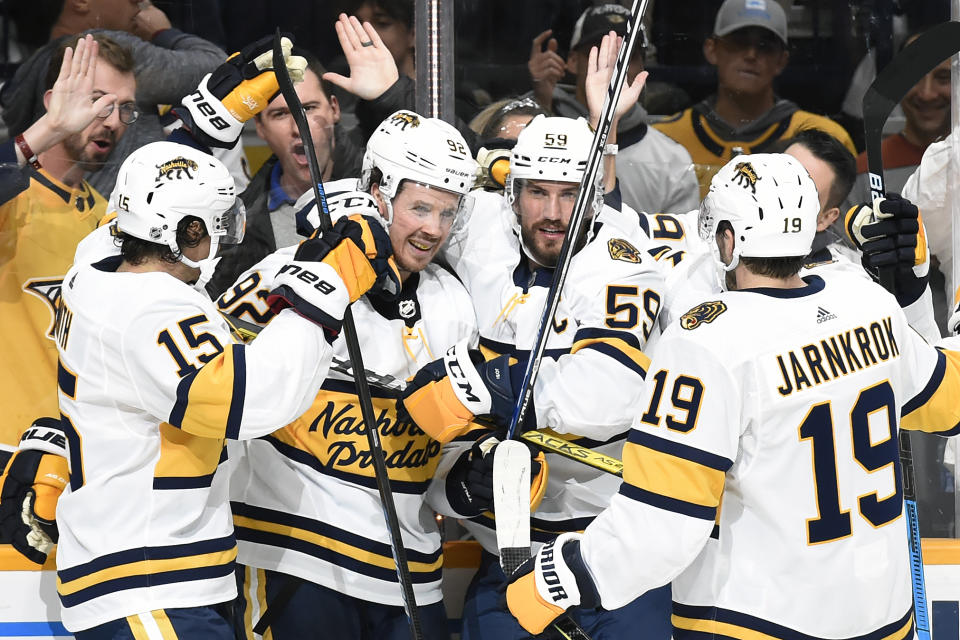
762, 476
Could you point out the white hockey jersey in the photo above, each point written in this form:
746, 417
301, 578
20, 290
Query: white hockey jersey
691, 273
763, 476
304, 498
591, 376
150, 386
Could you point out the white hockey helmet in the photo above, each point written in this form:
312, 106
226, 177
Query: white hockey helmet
552, 148
427, 151
770, 201
162, 183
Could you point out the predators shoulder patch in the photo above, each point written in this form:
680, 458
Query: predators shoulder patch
620, 249
706, 312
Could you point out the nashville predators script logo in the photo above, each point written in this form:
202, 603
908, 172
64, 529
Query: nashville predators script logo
404, 119
622, 250
177, 169
746, 176
337, 437
706, 312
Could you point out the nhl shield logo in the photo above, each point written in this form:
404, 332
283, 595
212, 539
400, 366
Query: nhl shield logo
706, 312
746, 176
620, 249
408, 308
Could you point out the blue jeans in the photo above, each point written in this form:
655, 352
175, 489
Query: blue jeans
485, 616
190, 623
316, 612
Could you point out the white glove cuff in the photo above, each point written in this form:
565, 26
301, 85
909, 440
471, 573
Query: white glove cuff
555, 582
316, 283
210, 115
465, 379
46, 439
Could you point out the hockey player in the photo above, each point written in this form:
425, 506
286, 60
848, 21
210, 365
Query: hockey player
592, 376
150, 386
781, 400
306, 507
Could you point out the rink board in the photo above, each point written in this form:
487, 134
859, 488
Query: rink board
29, 607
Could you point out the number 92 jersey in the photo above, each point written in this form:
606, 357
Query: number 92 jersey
762, 476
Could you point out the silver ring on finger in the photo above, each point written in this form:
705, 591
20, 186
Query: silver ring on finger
368, 43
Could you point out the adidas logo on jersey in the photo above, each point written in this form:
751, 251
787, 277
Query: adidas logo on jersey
823, 315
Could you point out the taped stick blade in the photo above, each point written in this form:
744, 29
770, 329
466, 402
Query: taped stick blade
511, 502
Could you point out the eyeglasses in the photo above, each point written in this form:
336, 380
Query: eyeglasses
739, 41
128, 112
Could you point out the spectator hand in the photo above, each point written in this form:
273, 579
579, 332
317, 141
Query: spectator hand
236, 91
891, 235
546, 67
149, 21
70, 108
372, 67
600, 68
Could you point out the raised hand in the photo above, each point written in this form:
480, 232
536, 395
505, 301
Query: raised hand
600, 68
372, 67
71, 107
546, 68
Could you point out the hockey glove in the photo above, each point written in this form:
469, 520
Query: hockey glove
330, 271
236, 91
470, 481
895, 239
446, 394
35, 477
549, 583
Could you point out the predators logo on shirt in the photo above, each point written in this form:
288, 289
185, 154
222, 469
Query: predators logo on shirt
620, 249
706, 312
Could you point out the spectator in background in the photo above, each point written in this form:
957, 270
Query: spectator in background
168, 64
926, 110
656, 174
46, 208
497, 128
285, 176
749, 50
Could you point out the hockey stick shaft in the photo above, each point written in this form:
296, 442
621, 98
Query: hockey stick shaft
577, 217
356, 358
920, 612
888, 90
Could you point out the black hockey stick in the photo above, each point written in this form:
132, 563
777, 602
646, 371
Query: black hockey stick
579, 213
356, 358
887, 90
890, 86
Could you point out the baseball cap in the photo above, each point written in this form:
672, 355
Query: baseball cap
737, 14
598, 21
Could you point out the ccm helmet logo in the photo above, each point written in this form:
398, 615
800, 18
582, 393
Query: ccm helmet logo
553, 160
309, 277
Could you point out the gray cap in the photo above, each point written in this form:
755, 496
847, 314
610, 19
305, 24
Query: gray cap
737, 14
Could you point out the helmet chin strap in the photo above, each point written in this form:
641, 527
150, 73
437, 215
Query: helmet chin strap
207, 265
